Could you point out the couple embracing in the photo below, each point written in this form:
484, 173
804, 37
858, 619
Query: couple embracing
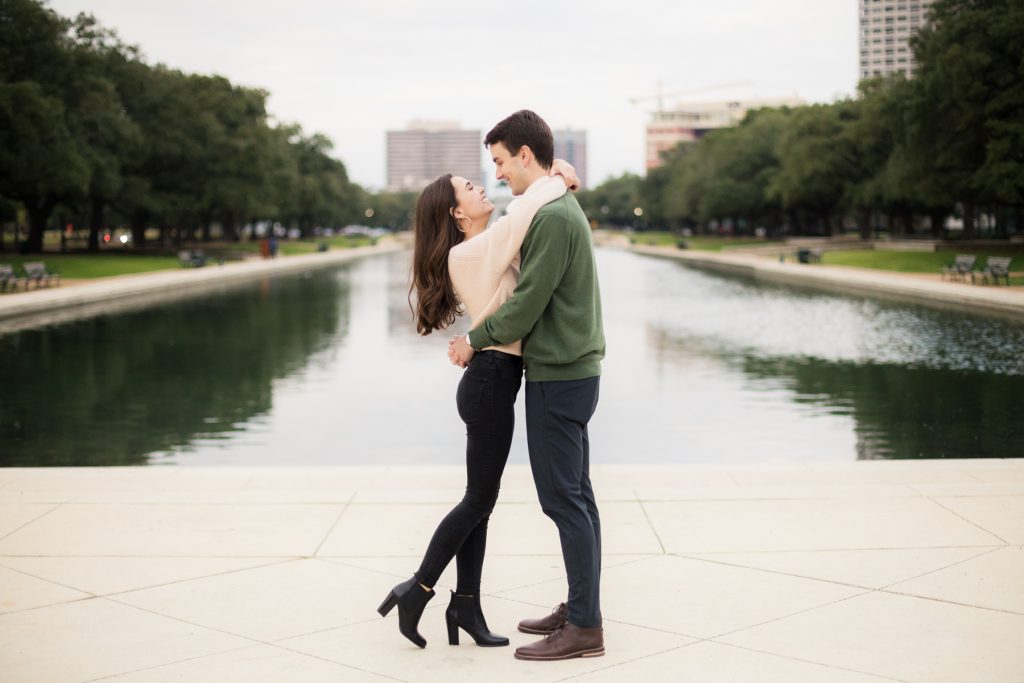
529, 284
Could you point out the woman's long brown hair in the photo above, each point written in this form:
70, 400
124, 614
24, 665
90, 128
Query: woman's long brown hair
435, 231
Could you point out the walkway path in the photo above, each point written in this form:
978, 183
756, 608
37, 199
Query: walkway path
144, 288
920, 289
848, 573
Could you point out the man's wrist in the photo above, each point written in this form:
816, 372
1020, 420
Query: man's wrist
468, 341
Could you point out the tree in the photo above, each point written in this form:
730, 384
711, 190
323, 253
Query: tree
969, 92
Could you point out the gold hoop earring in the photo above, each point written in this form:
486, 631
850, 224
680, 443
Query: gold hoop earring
458, 223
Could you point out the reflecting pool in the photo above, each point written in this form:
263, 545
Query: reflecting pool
325, 368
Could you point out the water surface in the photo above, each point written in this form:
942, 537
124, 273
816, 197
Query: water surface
325, 368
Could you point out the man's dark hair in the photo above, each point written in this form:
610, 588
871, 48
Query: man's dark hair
525, 128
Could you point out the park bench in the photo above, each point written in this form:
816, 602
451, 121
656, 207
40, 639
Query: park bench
996, 267
8, 280
960, 268
809, 255
192, 259
36, 271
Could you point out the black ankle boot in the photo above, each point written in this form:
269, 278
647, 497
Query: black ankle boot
464, 612
411, 599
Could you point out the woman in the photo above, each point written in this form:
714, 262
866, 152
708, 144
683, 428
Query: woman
458, 264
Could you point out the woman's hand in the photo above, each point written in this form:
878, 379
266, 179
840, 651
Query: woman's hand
567, 171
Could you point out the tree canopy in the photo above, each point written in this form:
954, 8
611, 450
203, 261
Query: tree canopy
88, 128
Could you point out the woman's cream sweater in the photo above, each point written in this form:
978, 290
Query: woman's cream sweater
485, 269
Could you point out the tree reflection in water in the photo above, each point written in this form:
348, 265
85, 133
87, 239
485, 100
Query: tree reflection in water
112, 389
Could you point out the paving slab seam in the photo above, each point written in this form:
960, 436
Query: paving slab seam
650, 524
333, 526
940, 569
198, 578
616, 665
739, 647
50, 581
846, 550
243, 637
783, 617
160, 666
810, 661
362, 622
931, 598
31, 521
972, 523
607, 620
604, 566
778, 572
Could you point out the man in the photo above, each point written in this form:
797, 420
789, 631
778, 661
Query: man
556, 311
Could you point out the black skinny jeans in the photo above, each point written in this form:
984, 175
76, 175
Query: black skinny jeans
485, 398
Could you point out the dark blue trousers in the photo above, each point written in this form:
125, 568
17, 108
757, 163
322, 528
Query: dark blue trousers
557, 414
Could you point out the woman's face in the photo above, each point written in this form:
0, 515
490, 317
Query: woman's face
472, 202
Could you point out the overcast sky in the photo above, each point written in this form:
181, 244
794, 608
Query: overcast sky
353, 70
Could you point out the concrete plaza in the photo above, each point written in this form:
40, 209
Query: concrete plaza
867, 571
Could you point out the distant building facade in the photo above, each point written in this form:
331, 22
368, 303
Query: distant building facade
885, 30
689, 121
428, 149
571, 145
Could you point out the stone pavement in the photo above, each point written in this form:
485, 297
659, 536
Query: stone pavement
867, 571
109, 294
922, 289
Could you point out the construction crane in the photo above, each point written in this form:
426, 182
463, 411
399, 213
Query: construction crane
660, 96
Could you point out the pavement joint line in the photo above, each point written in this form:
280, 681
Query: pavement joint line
56, 583
806, 661
609, 620
31, 521
839, 550
334, 525
650, 523
940, 569
950, 602
238, 635
629, 661
227, 572
159, 666
792, 614
773, 571
975, 524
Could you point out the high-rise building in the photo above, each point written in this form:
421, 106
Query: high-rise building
571, 145
885, 30
428, 149
689, 121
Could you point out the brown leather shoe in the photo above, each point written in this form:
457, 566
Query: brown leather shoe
567, 642
559, 617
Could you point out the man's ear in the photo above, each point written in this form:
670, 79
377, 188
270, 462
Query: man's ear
525, 155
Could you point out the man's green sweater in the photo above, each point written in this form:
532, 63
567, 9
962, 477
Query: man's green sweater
556, 307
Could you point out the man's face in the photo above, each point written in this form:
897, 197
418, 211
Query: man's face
509, 168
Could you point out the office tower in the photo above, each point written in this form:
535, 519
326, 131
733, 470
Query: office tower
571, 145
689, 121
885, 30
428, 149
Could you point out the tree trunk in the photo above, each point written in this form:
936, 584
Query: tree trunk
864, 223
38, 217
938, 224
95, 222
970, 230
139, 229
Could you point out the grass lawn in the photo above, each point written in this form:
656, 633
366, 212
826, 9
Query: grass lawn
662, 239
89, 266
84, 266
915, 261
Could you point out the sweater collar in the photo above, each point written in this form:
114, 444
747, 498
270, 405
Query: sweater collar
539, 183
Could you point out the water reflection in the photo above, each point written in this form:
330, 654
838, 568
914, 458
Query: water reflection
326, 368
907, 382
114, 389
